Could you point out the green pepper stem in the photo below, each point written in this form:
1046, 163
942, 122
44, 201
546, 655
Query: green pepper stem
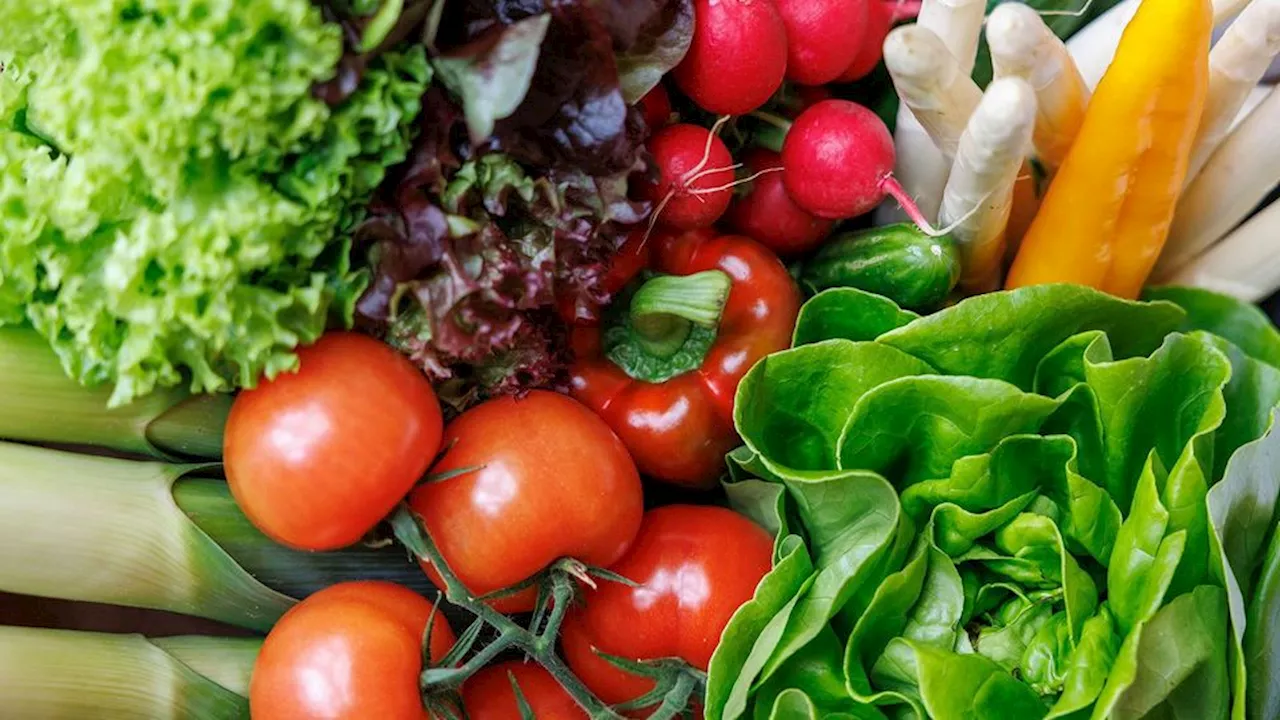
665, 308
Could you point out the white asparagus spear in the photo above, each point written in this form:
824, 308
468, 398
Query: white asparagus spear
1095, 45
931, 85
958, 23
921, 168
979, 193
1236, 64
1238, 175
1023, 46
1245, 264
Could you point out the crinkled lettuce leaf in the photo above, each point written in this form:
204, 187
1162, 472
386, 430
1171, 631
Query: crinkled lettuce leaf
1039, 503
174, 202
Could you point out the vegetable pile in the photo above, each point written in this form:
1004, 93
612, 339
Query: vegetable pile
661, 358
1040, 503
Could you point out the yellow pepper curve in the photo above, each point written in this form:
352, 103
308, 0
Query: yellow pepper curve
1107, 213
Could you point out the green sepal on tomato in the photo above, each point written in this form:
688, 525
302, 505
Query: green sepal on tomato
352, 651
663, 366
317, 457
524, 482
692, 566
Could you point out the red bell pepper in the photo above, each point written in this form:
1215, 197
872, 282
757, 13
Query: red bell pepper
664, 363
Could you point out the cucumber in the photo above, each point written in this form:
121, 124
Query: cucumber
897, 261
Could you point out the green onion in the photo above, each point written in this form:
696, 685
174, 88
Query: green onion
41, 404
53, 674
145, 534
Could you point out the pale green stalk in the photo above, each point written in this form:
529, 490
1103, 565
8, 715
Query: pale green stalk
39, 403
70, 675
125, 532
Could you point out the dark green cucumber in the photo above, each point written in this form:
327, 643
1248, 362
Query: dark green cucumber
897, 261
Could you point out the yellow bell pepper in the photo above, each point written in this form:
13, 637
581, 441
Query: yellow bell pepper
1107, 213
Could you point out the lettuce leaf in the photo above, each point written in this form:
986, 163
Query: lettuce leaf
174, 203
1082, 518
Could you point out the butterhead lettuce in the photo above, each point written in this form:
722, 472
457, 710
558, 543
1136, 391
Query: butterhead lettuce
1043, 503
174, 201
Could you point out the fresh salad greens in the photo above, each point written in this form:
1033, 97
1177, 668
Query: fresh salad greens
174, 199
1040, 503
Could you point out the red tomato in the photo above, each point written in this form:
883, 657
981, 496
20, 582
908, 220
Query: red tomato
487, 695
695, 566
316, 458
551, 480
352, 651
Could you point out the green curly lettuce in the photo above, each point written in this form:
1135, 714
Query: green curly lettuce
175, 204
1044, 503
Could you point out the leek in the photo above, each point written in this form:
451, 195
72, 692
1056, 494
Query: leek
147, 534
39, 403
55, 674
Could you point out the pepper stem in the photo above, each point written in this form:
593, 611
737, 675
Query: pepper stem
665, 308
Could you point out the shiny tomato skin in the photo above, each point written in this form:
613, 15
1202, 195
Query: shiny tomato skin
352, 651
487, 695
549, 480
695, 565
316, 458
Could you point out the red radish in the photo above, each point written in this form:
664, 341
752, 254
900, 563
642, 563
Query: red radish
656, 107
838, 162
695, 177
823, 37
807, 95
879, 21
737, 58
768, 215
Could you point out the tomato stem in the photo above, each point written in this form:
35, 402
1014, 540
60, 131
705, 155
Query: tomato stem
540, 646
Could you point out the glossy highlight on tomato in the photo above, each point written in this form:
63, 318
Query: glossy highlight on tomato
488, 695
352, 651
318, 457
695, 565
544, 479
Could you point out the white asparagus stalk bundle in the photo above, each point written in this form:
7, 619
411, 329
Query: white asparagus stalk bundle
979, 193
1095, 45
921, 168
1236, 64
1244, 264
930, 82
1022, 46
1237, 176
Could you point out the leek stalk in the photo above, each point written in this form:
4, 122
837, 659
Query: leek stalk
39, 403
57, 674
147, 534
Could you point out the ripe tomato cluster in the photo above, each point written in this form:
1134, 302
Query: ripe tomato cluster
319, 457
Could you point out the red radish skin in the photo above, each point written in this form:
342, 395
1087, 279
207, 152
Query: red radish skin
823, 37
768, 215
737, 58
655, 106
879, 21
838, 161
695, 177
808, 96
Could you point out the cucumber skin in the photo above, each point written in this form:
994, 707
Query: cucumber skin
897, 261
